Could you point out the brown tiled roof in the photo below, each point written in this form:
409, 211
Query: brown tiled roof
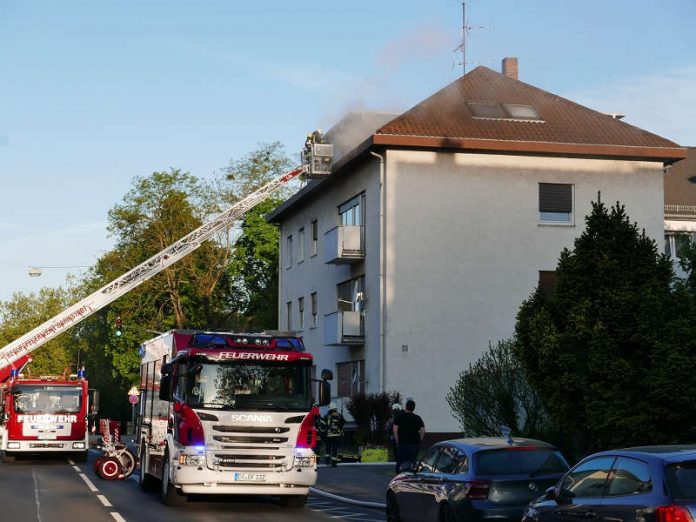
680, 187
445, 120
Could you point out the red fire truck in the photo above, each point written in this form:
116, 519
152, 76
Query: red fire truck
45, 414
228, 413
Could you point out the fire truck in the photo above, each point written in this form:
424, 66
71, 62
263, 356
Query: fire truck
43, 429
46, 414
228, 413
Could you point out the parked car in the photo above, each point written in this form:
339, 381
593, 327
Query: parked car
475, 480
645, 484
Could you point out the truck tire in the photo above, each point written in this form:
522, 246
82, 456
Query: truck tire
145, 480
169, 495
7, 457
293, 501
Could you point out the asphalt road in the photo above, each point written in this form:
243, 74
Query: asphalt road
54, 490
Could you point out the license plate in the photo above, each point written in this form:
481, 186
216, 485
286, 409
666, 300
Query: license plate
250, 477
47, 436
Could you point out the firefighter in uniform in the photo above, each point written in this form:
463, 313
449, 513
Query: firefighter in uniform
333, 422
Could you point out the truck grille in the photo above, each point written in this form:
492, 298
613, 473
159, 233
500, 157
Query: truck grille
262, 448
249, 461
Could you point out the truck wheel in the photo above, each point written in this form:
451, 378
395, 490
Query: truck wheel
81, 456
145, 480
169, 495
293, 501
8, 457
110, 469
127, 461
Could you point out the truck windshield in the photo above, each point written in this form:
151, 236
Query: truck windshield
249, 386
47, 399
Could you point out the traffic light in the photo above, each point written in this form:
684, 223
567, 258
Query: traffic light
119, 324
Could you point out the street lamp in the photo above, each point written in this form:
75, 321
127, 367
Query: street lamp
34, 271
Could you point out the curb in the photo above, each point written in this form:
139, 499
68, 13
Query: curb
360, 503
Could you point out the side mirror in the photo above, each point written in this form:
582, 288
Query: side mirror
324, 393
326, 375
165, 391
93, 398
551, 493
167, 369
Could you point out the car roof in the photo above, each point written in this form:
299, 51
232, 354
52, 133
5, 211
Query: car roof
487, 443
666, 453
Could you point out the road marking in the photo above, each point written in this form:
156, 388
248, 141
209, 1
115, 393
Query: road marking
105, 501
36, 494
89, 483
347, 516
77, 468
71, 462
117, 517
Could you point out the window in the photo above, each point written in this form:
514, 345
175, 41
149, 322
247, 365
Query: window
315, 237
351, 295
350, 378
451, 461
300, 312
629, 477
313, 297
288, 324
556, 203
675, 244
288, 252
504, 111
300, 245
588, 479
548, 279
427, 463
351, 212
681, 478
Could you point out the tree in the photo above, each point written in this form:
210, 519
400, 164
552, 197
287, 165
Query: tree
494, 392
612, 352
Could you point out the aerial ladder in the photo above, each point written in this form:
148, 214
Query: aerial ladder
17, 354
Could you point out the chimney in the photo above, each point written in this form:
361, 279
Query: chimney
510, 67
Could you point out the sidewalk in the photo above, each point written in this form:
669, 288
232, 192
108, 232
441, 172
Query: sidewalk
356, 482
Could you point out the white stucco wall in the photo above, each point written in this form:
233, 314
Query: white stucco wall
314, 275
464, 247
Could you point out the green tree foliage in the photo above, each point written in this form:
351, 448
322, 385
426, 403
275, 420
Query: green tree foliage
612, 352
27, 311
494, 392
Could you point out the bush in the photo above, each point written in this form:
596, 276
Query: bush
375, 454
371, 413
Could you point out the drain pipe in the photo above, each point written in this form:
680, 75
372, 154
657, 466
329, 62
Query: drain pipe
382, 280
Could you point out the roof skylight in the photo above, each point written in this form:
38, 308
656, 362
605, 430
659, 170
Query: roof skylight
503, 111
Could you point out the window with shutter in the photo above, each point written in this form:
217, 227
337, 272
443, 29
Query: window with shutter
556, 203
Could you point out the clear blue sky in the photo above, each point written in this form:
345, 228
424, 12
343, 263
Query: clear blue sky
94, 93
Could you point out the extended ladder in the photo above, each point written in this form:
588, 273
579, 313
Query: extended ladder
17, 351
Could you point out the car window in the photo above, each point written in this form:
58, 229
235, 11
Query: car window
517, 460
450, 461
681, 478
427, 463
629, 477
587, 479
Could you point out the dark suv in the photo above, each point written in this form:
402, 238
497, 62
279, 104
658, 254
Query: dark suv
646, 484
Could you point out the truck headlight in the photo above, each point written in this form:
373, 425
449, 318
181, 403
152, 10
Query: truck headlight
13, 445
304, 459
78, 445
191, 460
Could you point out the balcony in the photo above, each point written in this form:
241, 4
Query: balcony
344, 328
344, 244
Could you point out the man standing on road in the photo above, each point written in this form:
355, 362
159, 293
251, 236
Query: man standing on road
409, 431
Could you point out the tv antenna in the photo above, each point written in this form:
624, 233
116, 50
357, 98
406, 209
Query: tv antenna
466, 27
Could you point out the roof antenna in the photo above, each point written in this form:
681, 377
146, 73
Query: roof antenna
465, 31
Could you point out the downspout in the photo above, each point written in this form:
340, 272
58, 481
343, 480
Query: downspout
382, 279
280, 276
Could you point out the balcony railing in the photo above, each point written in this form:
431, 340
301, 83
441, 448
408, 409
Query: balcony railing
344, 327
344, 244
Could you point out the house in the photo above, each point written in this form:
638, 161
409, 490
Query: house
415, 253
680, 206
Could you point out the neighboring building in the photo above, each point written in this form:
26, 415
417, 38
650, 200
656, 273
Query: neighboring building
417, 251
680, 206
